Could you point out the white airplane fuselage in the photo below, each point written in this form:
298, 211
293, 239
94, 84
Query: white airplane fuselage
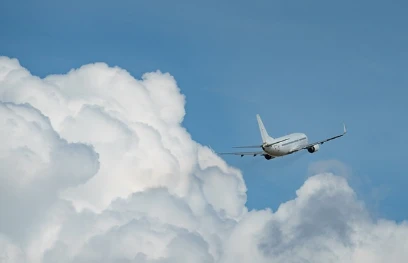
289, 143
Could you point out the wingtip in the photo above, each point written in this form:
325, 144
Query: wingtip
344, 128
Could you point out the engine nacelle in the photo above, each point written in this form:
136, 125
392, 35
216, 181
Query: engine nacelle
314, 148
267, 157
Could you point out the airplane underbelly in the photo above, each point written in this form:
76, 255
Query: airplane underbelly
275, 152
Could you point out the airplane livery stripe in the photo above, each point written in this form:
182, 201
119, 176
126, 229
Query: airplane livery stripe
294, 141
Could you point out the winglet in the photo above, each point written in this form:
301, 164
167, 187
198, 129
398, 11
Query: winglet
344, 128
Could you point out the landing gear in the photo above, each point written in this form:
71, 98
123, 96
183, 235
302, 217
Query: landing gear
267, 157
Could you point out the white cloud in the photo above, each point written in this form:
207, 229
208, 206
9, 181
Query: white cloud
35, 164
324, 223
95, 166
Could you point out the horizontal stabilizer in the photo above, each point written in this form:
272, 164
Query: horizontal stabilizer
253, 146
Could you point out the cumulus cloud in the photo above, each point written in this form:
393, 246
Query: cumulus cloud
95, 166
324, 223
35, 164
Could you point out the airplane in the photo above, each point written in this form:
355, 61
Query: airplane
288, 144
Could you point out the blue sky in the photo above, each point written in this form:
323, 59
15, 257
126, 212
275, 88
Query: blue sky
304, 66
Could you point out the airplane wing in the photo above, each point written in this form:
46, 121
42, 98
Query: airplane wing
262, 153
245, 153
252, 146
323, 141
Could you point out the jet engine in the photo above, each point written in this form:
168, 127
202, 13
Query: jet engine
314, 148
267, 157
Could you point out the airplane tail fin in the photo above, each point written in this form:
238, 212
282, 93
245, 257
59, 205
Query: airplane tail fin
265, 137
